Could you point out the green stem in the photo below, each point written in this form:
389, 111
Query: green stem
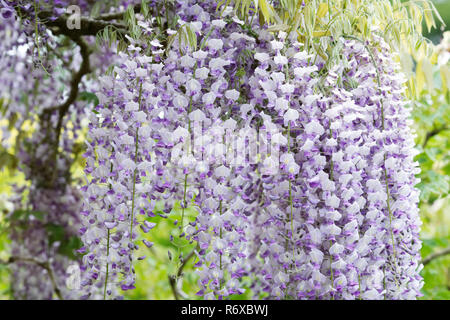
107, 242
135, 169
36, 35
331, 272
167, 13
220, 256
331, 243
184, 201
107, 265
384, 282
290, 196
189, 130
359, 286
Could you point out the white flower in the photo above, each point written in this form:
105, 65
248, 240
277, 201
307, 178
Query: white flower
148, 86
332, 201
287, 88
308, 145
187, 62
278, 77
180, 132
197, 115
222, 171
219, 23
353, 209
232, 94
390, 163
316, 256
218, 63
140, 116
216, 44
131, 106
131, 65
261, 56
290, 115
193, 86
180, 101
293, 168
314, 128
336, 249
141, 73
276, 45
302, 55
127, 94
200, 54
209, 98
155, 43
287, 158
128, 164
202, 73
281, 104
237, 20
374, 185
196, 26
281, 60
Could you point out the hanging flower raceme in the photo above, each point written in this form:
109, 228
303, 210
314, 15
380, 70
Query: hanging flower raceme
339, 234
392, 220
120, 162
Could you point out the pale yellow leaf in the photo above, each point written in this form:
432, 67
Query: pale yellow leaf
264, 6
445, 78
322, 10
420, 78
428, 14
320, 33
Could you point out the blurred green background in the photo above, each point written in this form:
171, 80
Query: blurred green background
431, 115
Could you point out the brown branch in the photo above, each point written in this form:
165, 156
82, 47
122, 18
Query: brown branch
88, 26
173, 279
433, 133
116, 15
435, 255
44, 265
63, 108
85, 68
173, 286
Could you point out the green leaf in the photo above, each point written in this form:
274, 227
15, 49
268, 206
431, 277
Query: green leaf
68, 247
89, 97
21, 214
7, 160
55, 233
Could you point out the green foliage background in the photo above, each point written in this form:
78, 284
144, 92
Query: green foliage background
431, 117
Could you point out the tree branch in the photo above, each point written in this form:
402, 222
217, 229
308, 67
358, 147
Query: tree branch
88, 26
435, 255
116, 15
433, 133
85, 68
173, 279
44, 265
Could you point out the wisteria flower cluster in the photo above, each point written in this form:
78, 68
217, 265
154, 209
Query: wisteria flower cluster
301, 171
45, 219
